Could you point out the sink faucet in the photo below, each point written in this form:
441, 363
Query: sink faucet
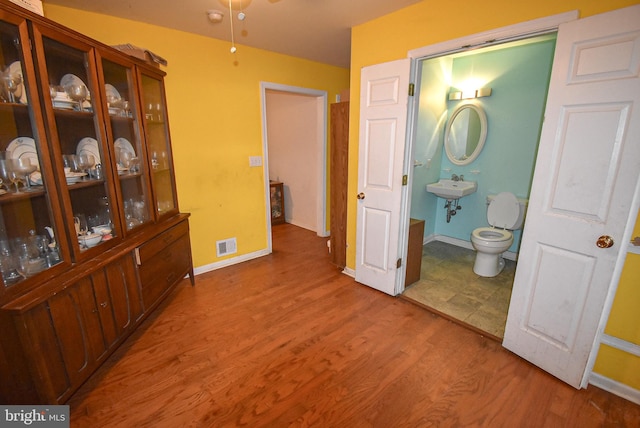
461, 177
454, 177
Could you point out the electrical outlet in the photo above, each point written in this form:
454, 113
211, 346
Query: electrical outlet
255, 160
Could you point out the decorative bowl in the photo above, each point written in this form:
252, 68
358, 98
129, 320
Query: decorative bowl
90, 240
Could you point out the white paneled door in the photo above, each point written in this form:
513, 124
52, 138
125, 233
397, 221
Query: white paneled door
383, 121
585, 179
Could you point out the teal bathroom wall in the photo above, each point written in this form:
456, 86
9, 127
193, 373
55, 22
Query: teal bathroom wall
518, 76
429, 131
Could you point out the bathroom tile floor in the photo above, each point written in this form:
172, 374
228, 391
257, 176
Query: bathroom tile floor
449, 286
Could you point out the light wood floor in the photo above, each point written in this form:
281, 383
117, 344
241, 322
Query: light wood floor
449, 287
288, 340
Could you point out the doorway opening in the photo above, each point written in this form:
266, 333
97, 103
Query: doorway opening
517, 73
295, 145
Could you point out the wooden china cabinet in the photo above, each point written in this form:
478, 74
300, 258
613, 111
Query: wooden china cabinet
91, 238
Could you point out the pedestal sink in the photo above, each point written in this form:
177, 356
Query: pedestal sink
451, 189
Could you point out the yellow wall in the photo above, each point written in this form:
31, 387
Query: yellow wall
624, 323
426, 23
215, 118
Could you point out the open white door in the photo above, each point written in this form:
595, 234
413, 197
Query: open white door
586, 173
383, 121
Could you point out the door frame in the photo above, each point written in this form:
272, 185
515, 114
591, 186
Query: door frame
497, 36
501, 35
321, 151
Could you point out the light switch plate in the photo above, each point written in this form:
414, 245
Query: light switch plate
255, 160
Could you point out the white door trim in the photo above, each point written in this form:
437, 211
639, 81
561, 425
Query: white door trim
499, 35
321, 202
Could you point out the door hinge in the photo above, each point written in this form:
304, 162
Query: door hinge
412, 89
399, 263
405, 178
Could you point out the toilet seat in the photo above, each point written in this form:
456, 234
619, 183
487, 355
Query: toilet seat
504, 211
491, 234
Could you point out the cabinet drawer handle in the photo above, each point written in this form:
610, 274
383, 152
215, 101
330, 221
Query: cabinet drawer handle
104, 304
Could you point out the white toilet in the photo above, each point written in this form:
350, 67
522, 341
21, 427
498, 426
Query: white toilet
505, 213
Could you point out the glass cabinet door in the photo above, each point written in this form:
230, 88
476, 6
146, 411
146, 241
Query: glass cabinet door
30, 239
158, 144
81, 159
124, 137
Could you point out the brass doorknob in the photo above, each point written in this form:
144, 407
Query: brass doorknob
605, 241
360, 195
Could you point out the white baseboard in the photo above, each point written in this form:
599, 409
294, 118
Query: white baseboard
510, 255
615, 387
229, 262
349, 272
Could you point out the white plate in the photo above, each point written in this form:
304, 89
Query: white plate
63, 97
89, 146
23, 147
21, 94
74, 177
71, 79
66, 105
125, 146
35, 178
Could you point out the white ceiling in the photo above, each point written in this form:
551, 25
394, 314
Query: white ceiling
318, 30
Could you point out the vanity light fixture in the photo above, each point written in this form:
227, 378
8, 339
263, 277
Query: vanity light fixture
468, 94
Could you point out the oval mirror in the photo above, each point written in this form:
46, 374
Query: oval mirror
465, 134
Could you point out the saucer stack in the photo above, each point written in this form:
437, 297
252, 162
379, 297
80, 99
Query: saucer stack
63, 101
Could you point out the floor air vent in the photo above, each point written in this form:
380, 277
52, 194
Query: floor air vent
226, 247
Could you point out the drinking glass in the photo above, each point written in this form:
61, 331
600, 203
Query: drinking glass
24, 167
71, 162
5, 179
86, 162
81, 225
11, 82
77, 93
125, 159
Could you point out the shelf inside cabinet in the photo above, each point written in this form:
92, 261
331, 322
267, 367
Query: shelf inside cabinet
117, 118
73, 113
5, 105
85, 183
23, 194
129, 175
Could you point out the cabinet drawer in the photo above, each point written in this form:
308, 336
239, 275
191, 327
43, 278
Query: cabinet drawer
159, 272
160, 242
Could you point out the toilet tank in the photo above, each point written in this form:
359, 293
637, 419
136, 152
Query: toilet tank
523, 210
